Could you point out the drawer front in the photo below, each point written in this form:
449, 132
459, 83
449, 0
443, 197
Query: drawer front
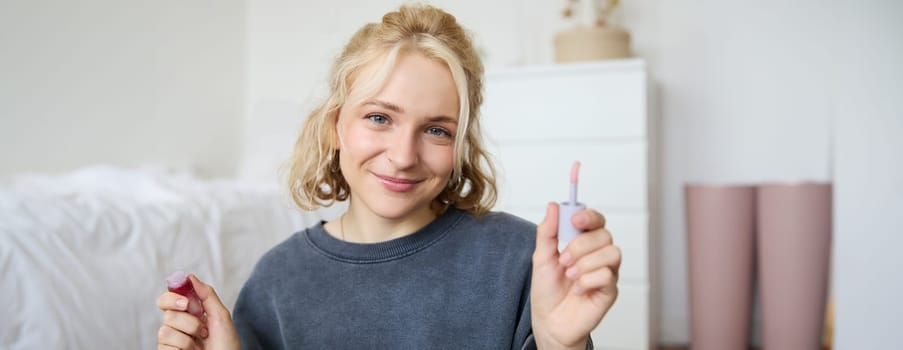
594, 105
612, 176
626, 326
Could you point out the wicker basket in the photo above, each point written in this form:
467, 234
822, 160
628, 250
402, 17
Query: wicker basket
588, 44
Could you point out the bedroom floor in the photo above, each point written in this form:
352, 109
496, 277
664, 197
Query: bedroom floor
676, 347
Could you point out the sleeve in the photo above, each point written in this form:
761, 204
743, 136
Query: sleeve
530, 344
523, 335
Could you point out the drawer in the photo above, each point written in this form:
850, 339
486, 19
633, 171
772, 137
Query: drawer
595, 100
626, 326
612, 175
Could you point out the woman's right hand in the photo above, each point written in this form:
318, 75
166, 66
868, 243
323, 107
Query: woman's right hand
181, 330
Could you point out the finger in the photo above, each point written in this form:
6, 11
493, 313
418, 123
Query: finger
547, 236
172, 301
602, 279
584, 244
607, 257
173, 338
216, 311
185, 323
588, 220
170, 347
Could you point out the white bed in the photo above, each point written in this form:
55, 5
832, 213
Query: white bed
83, 255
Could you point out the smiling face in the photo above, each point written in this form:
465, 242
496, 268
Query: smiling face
397, 148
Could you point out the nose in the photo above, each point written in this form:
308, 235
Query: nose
403, 150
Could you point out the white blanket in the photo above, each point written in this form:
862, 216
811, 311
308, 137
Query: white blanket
84, 255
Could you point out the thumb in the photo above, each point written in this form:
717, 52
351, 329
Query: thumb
216, 311
547, 236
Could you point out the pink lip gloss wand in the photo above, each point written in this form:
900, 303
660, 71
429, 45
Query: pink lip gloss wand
566, 230
178, 282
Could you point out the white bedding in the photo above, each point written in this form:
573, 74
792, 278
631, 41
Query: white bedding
83, 255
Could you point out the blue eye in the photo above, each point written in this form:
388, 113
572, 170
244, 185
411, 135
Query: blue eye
378, 118
438, 132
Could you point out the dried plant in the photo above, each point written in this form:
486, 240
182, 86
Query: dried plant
602, 9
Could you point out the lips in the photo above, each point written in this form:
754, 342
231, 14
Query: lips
397, 184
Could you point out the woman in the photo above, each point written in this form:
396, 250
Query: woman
417, 261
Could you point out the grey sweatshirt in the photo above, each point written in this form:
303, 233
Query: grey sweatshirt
458, 283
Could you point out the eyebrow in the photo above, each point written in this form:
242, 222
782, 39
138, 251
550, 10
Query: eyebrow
397, 109
390, 106
443, 119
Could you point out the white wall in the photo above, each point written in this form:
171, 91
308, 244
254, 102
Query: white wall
868, 72
784, 91
743, 95
121, 82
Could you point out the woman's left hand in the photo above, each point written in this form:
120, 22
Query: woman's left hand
572, 291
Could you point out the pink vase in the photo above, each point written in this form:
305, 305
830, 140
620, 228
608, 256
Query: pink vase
794, 256
721, 248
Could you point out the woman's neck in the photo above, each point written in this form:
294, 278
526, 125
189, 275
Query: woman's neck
360, 225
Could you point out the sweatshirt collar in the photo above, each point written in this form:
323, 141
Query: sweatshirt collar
364, 253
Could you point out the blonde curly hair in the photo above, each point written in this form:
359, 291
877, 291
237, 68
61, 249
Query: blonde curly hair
314, 177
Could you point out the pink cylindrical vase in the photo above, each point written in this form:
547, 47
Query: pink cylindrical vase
794, 256
721, 249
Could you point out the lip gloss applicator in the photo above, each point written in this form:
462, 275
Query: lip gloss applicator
178, 282
566, 230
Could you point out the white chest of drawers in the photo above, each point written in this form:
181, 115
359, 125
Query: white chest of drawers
538, 120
